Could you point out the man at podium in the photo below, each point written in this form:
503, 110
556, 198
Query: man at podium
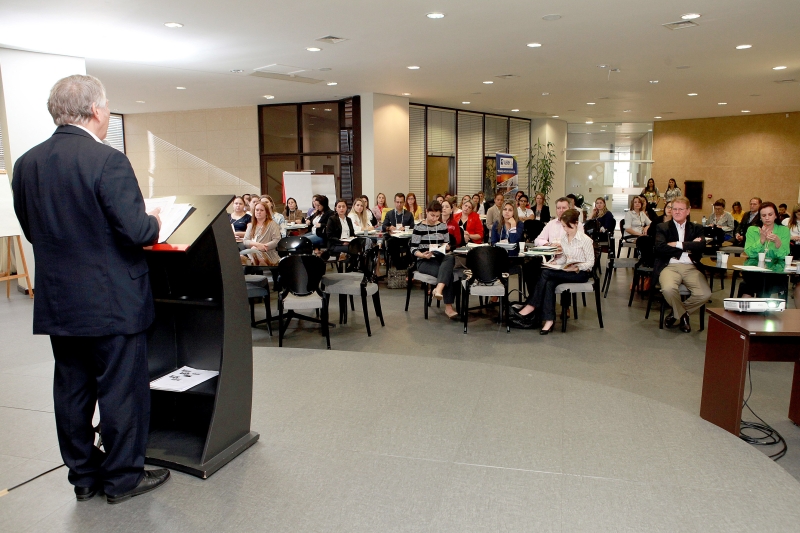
79, 204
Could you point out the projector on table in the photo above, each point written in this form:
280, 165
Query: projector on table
754, 305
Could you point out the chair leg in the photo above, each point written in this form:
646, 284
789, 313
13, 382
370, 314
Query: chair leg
280, 322
599, 308
650, 300
376, 301
583, 296
352, 305
269, 315
342, 308
575, 305
564, 307
633, 287
325, 329
252, 312
662, 313
465, 309
408, 291
425, 299
606, 282
366, 311
506, 308
702, 317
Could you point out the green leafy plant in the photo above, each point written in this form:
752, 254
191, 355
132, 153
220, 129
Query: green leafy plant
540, 166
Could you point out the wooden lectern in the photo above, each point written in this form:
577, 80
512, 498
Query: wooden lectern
202, 321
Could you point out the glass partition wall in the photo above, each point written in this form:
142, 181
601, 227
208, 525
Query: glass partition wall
319, 136
609, 160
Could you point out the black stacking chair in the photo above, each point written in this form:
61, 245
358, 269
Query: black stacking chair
532, 229
295, 245
301, 276
358, 281
645, 250
486, 275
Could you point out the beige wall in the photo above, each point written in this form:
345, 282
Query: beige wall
737, 157
384, 145
211, 151
554, 131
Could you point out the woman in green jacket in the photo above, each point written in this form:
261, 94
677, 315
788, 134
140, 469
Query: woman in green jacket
772, 240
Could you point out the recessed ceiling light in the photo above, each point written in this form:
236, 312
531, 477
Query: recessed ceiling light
589, 103
435, 15
602, 130
692, 94
590, 121
745, 110
268, 96
653, 81
551, 18
779, 68
237, 70
465, 103
545, 94
413, 67
515, 110
173, 25
488, 82
406, 94
744, 46
722, 103
534, 45
656, 117
139, 101
332, 83
181, 88
626, 110
325, 69
328, 109
690, 16
602, 66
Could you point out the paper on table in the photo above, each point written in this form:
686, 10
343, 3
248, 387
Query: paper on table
752, 268
473, 245
182, 379
171, 214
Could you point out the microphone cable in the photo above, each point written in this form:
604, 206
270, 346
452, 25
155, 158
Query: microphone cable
765, 435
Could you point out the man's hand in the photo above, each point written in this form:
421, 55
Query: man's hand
697, 239
155, 213
673, 244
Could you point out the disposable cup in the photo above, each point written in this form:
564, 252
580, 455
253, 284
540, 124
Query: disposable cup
762, 257
788, 260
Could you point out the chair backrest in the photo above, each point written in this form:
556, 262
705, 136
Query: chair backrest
532, 229
301, 274
355, 255
487, 263
592, 229
612, 252
294, 245
645, 247
399, 252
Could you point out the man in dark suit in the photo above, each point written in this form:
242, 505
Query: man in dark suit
79, 204
748, 219
399, 216
679, 247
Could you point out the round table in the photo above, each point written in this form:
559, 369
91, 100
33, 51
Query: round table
711, 266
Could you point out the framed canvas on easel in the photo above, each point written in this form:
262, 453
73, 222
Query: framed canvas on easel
10, 230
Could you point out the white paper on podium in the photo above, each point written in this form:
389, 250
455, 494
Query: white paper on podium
182, 379
171, 214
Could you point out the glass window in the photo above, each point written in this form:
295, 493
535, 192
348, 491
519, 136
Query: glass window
279, 129
321, 127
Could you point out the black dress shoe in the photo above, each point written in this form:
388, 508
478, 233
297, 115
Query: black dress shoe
670, 320
685, 326
84, 494
152, 480
546, 331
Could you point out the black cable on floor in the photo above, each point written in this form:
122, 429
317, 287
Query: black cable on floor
3, 492
768, 435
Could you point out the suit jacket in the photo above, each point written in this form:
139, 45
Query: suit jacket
322, 218
545, 216
667, 232
79, 204
333, 230
392, 219
741, 229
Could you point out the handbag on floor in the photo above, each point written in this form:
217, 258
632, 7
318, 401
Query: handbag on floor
397, 278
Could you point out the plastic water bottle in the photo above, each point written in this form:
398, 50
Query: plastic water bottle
704, 221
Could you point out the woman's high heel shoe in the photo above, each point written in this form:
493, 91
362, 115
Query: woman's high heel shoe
546, 331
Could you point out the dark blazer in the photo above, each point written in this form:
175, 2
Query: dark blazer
499, 233
392, 219
741, 229
545, 216
322, 218
79, 204
333, 230
667, 232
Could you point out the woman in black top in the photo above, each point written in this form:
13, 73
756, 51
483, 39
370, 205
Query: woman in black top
239, 219
339, 229
540, 211
318, 221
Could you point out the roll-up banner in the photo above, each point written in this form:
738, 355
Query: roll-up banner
506, 174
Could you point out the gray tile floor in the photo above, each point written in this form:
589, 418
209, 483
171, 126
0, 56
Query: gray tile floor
422, 428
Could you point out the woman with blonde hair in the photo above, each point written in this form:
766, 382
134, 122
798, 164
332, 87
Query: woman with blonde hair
380, 205
636, 220
358, 214
262, 235
277, 217
603, 216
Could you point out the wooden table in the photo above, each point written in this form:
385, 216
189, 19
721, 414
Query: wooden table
733, 340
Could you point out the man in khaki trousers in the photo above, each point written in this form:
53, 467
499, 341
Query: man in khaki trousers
679, 247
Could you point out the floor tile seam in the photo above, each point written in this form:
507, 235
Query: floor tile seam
32, 527
33, 458
25, 409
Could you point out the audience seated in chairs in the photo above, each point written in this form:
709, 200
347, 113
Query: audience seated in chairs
636, 220
771, 239
575, 260
523, 211
432, 231
360, 216
456, 235
292, 214
339, 230
748, 219
262, 236
239, 219
318, 221
678, 250
493, 212
508, 230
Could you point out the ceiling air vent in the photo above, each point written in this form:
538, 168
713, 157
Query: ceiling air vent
330, 39
786, 81
276, 71
680, 25
507, 76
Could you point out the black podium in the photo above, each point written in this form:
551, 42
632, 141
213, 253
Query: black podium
202, 321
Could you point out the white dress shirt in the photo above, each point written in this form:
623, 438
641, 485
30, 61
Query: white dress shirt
684, 258
345, 228
95, 137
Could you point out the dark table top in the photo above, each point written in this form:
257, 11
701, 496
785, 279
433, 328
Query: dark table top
775, 324
776, 268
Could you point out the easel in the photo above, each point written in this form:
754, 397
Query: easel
8, 277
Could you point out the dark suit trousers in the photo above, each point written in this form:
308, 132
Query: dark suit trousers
111, 370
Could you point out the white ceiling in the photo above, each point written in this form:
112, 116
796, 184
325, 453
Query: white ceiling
128, 47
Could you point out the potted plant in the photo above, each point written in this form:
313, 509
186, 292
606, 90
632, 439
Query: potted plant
540, 166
